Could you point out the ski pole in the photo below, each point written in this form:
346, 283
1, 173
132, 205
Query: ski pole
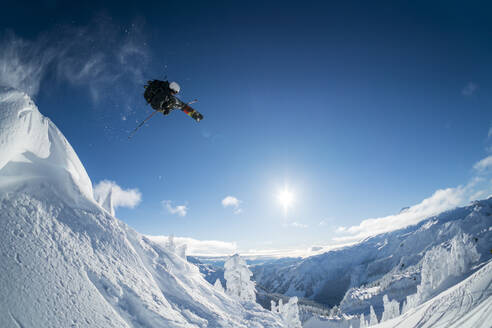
140, 125
148, 118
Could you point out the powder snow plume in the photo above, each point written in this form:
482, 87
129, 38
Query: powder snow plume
96, 56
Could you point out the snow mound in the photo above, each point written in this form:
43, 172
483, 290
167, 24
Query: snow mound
67, 262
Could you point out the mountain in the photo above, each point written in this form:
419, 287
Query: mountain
66, 261
357, 277
466, 305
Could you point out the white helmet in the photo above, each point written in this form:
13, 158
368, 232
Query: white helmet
174, 86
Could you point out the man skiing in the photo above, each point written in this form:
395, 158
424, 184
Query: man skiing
161, 95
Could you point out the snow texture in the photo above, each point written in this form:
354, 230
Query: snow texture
67, 262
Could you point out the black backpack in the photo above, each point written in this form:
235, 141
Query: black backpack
157, 93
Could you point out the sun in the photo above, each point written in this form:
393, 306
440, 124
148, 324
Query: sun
285, 198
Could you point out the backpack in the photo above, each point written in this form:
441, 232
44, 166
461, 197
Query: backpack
157, 93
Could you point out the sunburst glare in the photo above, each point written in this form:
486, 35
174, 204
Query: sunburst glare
286, 198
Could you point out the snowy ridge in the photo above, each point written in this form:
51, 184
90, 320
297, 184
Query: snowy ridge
32, 148
359, 276
67, 262
466, 305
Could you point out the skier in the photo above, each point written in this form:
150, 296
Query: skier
161, 95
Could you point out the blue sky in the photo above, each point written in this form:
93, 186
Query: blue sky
358, 108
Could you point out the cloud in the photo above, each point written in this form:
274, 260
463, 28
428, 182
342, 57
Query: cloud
196, 247
469, 89
326, 221
216, 248
478, 187
300, 251
296, 225
490, 132
181, 210
483, 164
440, 201
118, 197
480, 194
231, 201
97, 56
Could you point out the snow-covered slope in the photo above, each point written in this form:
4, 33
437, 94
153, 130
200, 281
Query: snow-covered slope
67, 262
358, 276
33, 149
466, 305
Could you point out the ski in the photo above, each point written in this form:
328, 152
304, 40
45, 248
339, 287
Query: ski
188, 110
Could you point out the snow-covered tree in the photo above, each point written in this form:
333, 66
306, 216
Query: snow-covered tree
391, 309
238, 279
335, 311
170, 245
289, 312
373, 320
363, 322
218, 285
440, 264
181, 251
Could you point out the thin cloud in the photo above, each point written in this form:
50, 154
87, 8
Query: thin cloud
180, 210
118, 197
291, 252
469, 89
196, 247
231, 201
483, 164
326, 222
442, 200
296, 225
478, 187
